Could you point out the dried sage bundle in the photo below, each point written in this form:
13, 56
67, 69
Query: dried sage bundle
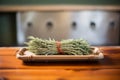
65, 47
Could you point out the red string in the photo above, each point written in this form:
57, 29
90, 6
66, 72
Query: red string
59, 47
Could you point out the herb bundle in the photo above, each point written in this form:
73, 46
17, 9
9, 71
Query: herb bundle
65, 47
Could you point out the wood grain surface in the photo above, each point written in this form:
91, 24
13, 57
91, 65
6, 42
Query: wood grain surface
12, 68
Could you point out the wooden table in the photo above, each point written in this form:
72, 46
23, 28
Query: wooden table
12, 68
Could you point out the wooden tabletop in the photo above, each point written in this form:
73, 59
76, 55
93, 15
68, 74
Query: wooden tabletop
108, 68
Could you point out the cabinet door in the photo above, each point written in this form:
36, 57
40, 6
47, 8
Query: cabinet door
54, 25
97, 27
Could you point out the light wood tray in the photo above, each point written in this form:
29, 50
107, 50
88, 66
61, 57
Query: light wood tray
26, 55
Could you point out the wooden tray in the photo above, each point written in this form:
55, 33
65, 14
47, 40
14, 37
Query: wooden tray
26, 55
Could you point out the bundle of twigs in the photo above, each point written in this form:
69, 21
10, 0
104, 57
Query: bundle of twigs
64, 47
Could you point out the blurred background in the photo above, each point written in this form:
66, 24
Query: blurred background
98, 26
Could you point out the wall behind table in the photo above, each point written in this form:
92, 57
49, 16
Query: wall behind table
37, 2
8, 20
7, 29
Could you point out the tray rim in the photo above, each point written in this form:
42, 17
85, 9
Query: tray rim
34, 57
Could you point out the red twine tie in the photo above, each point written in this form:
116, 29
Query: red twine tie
59, 47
